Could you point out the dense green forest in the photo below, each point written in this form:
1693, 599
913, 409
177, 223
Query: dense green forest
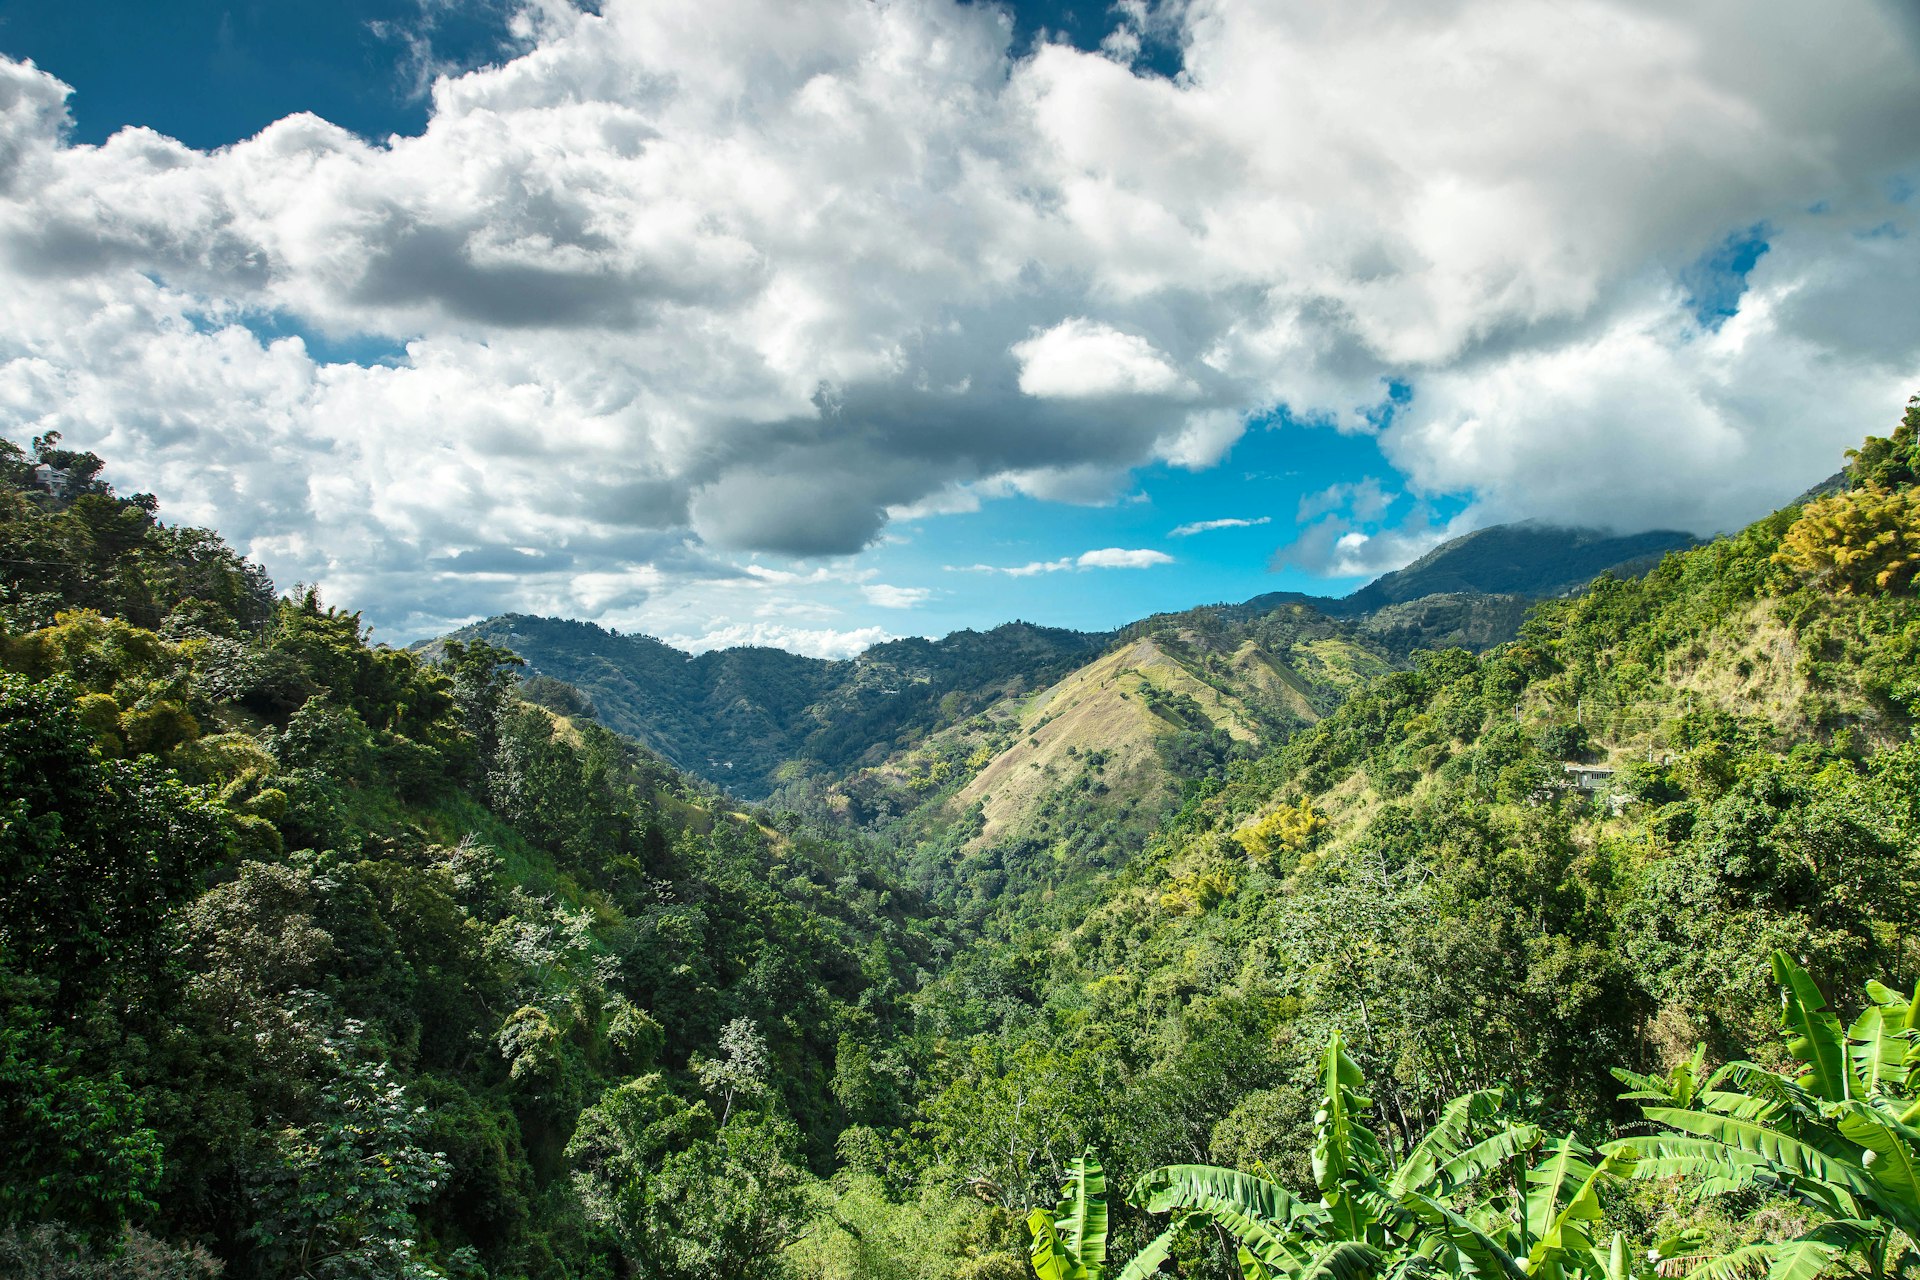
324, 959
318, 959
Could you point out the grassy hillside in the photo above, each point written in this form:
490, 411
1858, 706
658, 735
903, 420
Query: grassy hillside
1047, 788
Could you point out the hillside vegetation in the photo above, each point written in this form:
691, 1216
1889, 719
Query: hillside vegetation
1528, 559
1423, 871
1058, 787
1284, 949
317, 959
753, 718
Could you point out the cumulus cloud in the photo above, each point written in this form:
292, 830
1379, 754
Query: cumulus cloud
1699, 430
737, 275
1081, 359
1208, 526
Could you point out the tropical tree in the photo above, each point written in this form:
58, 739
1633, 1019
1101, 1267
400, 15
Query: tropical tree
683, 1195
1858, 542
1838, 1135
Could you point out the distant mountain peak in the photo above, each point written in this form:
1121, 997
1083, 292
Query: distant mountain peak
1532, 558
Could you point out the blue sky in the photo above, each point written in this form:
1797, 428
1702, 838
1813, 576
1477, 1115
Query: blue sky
735, 321
211, 72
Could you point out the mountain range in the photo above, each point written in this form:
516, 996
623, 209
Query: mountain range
1137, 700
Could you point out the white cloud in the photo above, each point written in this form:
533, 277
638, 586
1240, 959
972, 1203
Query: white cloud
1121, 558
1208, 526
882, 596
1026, 570
739, 274
1103, 558
1081, 359
1203, 439
1653, 423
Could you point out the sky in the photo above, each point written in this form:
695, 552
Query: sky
817, 322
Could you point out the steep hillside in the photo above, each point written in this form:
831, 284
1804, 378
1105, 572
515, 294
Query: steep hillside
1070, 779
1458, 620
1104, 724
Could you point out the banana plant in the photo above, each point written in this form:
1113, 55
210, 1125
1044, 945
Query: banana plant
1562, 1205
1677, 1088
1375, 1219
1070, 1241
1838, 1134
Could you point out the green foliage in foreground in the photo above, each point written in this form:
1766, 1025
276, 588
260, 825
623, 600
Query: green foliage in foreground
1481, 1194
1837, 1134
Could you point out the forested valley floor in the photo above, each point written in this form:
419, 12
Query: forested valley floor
320, 958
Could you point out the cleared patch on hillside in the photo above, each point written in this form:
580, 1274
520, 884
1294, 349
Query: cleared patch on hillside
1757, 666
1338, 662
1114, 711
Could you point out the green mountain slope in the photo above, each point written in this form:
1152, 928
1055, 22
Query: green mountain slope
319, 959
739, 716
1531, 559
1071, 778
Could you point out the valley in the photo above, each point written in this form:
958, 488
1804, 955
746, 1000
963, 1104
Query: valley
573, 936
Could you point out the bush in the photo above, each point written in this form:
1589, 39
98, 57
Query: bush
1565, 742
51, 1252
